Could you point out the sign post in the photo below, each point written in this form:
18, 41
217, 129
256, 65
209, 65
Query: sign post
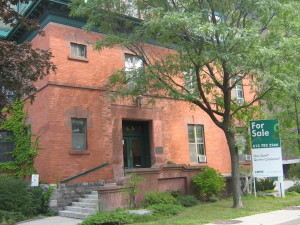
266, 150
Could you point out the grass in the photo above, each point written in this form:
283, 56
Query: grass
209, 212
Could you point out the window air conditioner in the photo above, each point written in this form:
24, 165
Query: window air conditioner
201, 158
247, 157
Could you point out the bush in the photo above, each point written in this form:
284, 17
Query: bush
116, 217
294, 172
7, 217
16, 195
209, 184
45, 198
292, 194
155, 197
177, 193
295, 188
187, 200
265, 185
165, 209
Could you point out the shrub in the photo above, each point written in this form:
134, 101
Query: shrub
132, 189
116, 217
295, 188
45, 198
294, 172
176, 193
187, 200
292, 194
16, 195
155, 197
265, 185
165, 209
7, 217
210, 183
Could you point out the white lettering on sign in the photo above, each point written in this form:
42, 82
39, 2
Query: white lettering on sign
258, 130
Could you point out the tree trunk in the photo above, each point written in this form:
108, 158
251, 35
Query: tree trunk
235, 171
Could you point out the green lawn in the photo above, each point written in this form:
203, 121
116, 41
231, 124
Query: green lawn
210, 212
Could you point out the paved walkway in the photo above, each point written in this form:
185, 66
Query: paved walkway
53, 220
289, 216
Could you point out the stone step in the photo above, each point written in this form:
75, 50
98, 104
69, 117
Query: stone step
88, 200
81, 209
91, 196
76, 215
85, 204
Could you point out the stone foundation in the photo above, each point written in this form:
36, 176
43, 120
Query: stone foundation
65, 194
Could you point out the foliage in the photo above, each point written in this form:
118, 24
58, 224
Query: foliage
116, 217
16, 195
155, 197
165, 209
45, 199
295, 188
294, 171
20, 64
292, 194
209, 183
132, 188
208, 213
211, 48
25, 150
176, 193
10, 16
265, 185
187, 200
10, 217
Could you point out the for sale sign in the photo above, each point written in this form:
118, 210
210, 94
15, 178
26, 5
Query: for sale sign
266, 150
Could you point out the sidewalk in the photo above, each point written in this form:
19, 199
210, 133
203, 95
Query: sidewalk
289, 216
53, 220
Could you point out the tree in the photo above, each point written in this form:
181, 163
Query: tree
212, 48
20, 64
284, 103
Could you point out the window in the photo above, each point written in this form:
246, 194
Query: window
237, 91
196, 143
133, 67
9, 94
190, 83
78, 50
242, 145
6, 146
79, 134
131, 9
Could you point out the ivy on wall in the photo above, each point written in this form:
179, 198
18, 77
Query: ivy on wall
25, 150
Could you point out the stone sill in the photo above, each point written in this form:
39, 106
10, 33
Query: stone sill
78, 58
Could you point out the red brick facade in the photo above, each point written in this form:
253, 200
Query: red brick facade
76, 91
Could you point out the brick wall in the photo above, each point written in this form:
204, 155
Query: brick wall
76, 91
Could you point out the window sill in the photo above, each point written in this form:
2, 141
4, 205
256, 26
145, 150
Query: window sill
79, 152
78, 58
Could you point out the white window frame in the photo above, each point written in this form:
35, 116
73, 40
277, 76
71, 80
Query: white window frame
79, 135
190, 82
237, 93
75, 50
133, 65
200, 141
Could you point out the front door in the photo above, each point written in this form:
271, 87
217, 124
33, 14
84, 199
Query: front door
136, 151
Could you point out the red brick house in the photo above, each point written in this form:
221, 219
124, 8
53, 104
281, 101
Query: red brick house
87, 138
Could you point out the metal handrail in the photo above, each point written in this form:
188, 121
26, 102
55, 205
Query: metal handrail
85, 172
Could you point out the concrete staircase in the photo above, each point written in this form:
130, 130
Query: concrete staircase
83, 208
